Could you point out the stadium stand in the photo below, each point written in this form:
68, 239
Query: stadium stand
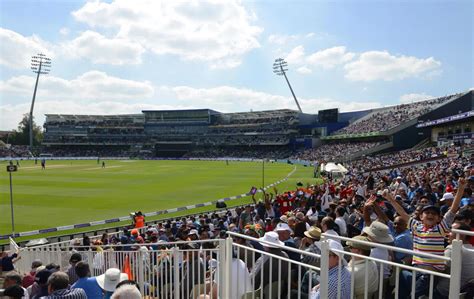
383, 119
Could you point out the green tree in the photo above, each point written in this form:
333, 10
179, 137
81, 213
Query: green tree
21, 136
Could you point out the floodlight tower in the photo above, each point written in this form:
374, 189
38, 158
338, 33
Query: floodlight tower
280, 67
40, 64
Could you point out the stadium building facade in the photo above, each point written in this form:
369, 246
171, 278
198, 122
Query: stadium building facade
269, 134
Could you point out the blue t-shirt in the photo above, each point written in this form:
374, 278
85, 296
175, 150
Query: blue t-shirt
466, 201
90, 286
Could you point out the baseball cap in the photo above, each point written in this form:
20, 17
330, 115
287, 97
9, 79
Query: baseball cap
75, 257
447, 196
431, 207
42, 276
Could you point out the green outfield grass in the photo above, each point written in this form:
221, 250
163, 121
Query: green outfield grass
70, 192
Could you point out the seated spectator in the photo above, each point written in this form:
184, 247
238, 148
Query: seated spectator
14, 279
336, 269
29, 278
467, 267
126, 291
40, 287
271, 244
428, 236
312, 236
360, 266
378, 232
58, 284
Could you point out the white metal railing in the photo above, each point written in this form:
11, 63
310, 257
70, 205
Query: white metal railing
237, 267
453, 276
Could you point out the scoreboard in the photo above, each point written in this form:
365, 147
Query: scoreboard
328, 115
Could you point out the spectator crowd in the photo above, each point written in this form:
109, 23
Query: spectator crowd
385, 119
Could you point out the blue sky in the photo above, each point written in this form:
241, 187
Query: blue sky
116, 57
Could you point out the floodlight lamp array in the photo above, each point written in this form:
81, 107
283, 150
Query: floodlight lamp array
40, 64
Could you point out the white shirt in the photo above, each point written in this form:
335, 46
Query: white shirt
357, 269
342, 225
240, 279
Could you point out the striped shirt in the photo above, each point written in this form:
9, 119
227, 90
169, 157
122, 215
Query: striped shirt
333, 284
430, 240
67, 294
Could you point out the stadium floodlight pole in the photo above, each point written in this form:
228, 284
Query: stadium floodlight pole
40, 64
280, 67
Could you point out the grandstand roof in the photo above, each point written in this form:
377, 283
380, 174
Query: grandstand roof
448, 119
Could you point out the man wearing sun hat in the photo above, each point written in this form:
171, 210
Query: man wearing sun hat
271, 243
446, 201
110, 279
284, 233
312, 236
357, 266
378, 232
337, 268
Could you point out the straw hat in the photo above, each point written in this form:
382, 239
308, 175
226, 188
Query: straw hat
313, 233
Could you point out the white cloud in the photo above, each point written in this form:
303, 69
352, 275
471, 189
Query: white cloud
381, 65
331, 57
304, 70
325, 59
102, 50
98, 93
216, 32
296, 56
64, 31
283, 39
92, 85
414, 97
16, 49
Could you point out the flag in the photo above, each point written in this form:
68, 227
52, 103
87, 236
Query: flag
13, 246
127, 269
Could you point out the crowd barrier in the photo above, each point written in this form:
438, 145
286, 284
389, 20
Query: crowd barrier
230, 268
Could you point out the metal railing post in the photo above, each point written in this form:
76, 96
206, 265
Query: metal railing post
456, 264
221, 277
228, 267
324, 282
176, 280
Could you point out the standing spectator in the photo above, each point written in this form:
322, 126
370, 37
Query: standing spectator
109, 280
7, 261
88, 284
